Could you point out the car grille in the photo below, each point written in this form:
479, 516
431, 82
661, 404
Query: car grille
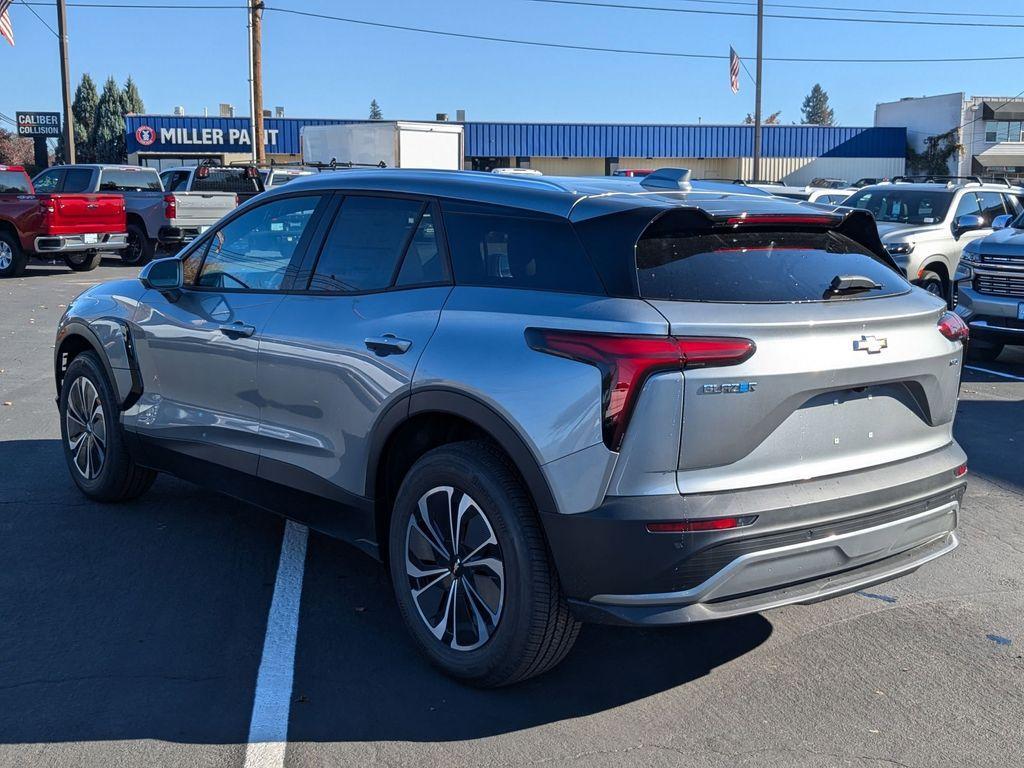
1000, 285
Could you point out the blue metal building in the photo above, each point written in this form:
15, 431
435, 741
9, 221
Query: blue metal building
793, 153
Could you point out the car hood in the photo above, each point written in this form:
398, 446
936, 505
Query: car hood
894, 231
1003, 242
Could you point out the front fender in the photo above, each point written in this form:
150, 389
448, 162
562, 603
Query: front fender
110, 339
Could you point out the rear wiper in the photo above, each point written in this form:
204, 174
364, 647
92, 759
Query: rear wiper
842, 285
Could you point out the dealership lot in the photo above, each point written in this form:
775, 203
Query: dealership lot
133, 634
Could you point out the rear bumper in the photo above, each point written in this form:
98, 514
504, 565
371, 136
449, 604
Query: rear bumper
175, 235
810, 541
101, 241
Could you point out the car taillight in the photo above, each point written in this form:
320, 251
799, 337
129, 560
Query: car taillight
960, 471
952, 326
783, 219
710, 524
625, 363
47, 207
237, 201
170, 207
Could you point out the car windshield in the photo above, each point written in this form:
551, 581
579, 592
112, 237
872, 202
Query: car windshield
905, 206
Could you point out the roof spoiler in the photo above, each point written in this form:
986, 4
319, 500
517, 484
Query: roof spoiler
677, 179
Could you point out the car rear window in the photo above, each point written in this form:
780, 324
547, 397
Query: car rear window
14, 182
758, 267
892, 203
126, 180
511, 248
226, 180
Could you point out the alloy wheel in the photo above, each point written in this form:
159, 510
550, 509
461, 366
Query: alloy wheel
6, 255
86, 429
455, 569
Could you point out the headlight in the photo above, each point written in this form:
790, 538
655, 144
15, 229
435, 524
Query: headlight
969, 257
900, 249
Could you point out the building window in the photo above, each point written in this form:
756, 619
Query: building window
1003, 130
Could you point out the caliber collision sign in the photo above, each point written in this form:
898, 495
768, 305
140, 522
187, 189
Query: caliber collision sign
38, 124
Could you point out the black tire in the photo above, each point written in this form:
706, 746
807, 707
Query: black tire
140, 248
534, 629
118, 478
83, 261
12, 258
984, 351
932, 282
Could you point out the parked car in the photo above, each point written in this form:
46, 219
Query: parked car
517, 171
633, 172
243, 181
825, 183
990, 284
154, 217
577, 400
925, 226
276, 176
78, 227
810, 194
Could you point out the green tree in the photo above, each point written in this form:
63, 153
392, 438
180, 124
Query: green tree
14, 149
84, 110
938, 150
816, 109
132, 98
109, 126
772, 119
375, 113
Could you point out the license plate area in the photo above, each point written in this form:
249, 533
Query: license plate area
90, 239
1020, 310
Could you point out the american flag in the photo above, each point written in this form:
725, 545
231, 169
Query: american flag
6, 30
734, 70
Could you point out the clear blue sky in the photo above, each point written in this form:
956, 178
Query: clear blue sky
319, 68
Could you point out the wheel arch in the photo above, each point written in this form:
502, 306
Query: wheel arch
76, 337
429, 418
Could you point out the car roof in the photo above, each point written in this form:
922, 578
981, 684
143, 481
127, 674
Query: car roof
943, 186
567, 196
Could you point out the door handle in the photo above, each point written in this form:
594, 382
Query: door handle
237, 330
388, 344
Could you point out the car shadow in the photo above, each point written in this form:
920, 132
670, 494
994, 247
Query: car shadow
991, 431
146, 620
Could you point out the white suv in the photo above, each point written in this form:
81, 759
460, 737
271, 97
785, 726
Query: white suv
925, 226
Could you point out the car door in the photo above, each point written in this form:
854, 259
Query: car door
198, 347
336, 356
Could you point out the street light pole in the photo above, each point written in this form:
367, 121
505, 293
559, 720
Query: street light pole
65, 76
252, 80
257, 80
757, 92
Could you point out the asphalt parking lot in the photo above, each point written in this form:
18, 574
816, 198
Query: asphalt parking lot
133, 634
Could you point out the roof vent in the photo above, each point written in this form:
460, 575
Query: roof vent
668, 178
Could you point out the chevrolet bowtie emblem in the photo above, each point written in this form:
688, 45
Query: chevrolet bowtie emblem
870, 344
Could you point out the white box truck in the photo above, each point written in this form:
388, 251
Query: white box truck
390, 144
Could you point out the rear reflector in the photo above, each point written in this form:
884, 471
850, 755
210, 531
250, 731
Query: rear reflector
711, 524
625, 363
952, 326
960, 471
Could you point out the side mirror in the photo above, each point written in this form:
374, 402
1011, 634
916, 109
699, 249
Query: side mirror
1002, 222
969, 222
163, 275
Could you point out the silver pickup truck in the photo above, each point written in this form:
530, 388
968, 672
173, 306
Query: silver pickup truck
156, 218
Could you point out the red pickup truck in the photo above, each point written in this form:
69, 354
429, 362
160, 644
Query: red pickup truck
79, 227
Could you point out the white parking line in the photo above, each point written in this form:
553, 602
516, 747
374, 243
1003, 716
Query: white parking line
995, 373
268, 728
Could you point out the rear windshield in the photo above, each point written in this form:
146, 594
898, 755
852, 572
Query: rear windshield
125, 180
903, 206
758, 267
14, 182
226, 180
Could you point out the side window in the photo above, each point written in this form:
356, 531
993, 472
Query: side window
254, 251
1014, 204
511, 248
991, 205
968, 205
424, 263
77, 180
366, 241
49, 181
173, 180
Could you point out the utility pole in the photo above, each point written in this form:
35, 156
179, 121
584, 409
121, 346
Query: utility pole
257, 80
65, 76
757, 92
249, 14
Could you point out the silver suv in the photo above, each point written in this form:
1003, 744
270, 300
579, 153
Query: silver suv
538, 400
926, 225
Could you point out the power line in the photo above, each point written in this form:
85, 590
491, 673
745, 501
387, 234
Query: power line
543, 44
844, 19
830, 8
41, 19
